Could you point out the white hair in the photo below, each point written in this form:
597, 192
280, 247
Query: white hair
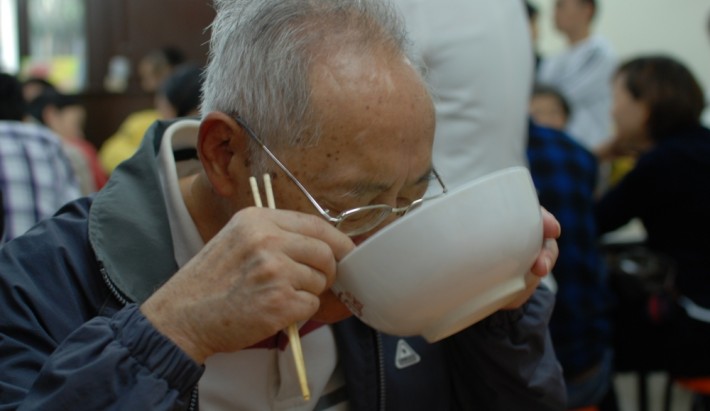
262, 52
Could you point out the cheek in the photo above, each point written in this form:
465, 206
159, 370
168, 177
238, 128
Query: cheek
331, 310
628, 122
620, 116
622, 126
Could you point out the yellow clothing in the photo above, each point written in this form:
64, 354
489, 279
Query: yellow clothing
619, 167
126, 140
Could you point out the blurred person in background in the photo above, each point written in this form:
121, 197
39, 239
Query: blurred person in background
706, 113
36, 178
478, 62
657, 108
153, 69
34, 86
157, 65
179, 95
565, 176
533, 15
549, 108
65, 115
582, 73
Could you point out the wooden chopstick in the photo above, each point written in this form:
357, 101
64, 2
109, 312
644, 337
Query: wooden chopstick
255, 191
292, 330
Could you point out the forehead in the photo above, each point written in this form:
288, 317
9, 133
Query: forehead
546, 100
619, 83
568, 3
375, 115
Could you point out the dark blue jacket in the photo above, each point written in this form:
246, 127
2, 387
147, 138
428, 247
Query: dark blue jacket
72, 336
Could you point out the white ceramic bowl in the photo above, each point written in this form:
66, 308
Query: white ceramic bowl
448, 264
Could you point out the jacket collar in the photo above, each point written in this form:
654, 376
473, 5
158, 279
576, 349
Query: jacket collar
128, 224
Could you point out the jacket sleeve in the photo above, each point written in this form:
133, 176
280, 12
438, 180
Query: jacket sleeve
66, 344
109, 363
507, 362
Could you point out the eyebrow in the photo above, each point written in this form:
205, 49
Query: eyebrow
366, 187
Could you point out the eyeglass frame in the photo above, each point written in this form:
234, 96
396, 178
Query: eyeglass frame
343, 215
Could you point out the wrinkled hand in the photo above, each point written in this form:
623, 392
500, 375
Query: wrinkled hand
262, 272
545, 260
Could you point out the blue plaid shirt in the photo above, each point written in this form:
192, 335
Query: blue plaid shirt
565, 176
35, 176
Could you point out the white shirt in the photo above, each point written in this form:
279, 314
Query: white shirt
479, 64
262, 377
583, 73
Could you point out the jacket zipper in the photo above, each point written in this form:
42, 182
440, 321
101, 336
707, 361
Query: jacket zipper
381, 365
112, 288
124, 301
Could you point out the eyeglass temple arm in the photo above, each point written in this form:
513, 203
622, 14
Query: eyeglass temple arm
444, 190
283, 168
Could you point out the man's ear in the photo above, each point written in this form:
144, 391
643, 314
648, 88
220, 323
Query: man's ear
223, 150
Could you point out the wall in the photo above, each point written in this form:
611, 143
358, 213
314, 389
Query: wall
675, 27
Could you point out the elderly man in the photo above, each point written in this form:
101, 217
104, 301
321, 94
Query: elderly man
169, 282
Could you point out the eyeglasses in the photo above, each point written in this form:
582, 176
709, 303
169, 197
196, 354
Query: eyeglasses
354, 221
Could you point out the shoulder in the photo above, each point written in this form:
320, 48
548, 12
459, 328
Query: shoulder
680, 150
137, 123
599, 43
26, 134
545, 136
546, 145
597, 52
30, 131
60, 241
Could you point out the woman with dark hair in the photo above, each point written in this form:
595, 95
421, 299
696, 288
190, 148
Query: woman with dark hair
657, 108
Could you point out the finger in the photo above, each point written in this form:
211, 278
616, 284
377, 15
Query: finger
546, 259
302, 307
316, 227
550, 226
291, 235
278, 289
318, 264
307, 225
308, 279
531, 283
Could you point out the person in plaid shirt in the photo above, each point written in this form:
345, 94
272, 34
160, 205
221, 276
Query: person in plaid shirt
36, 178
565, 175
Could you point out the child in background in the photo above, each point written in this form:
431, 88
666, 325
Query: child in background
65, 115
549, 108
179, 95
